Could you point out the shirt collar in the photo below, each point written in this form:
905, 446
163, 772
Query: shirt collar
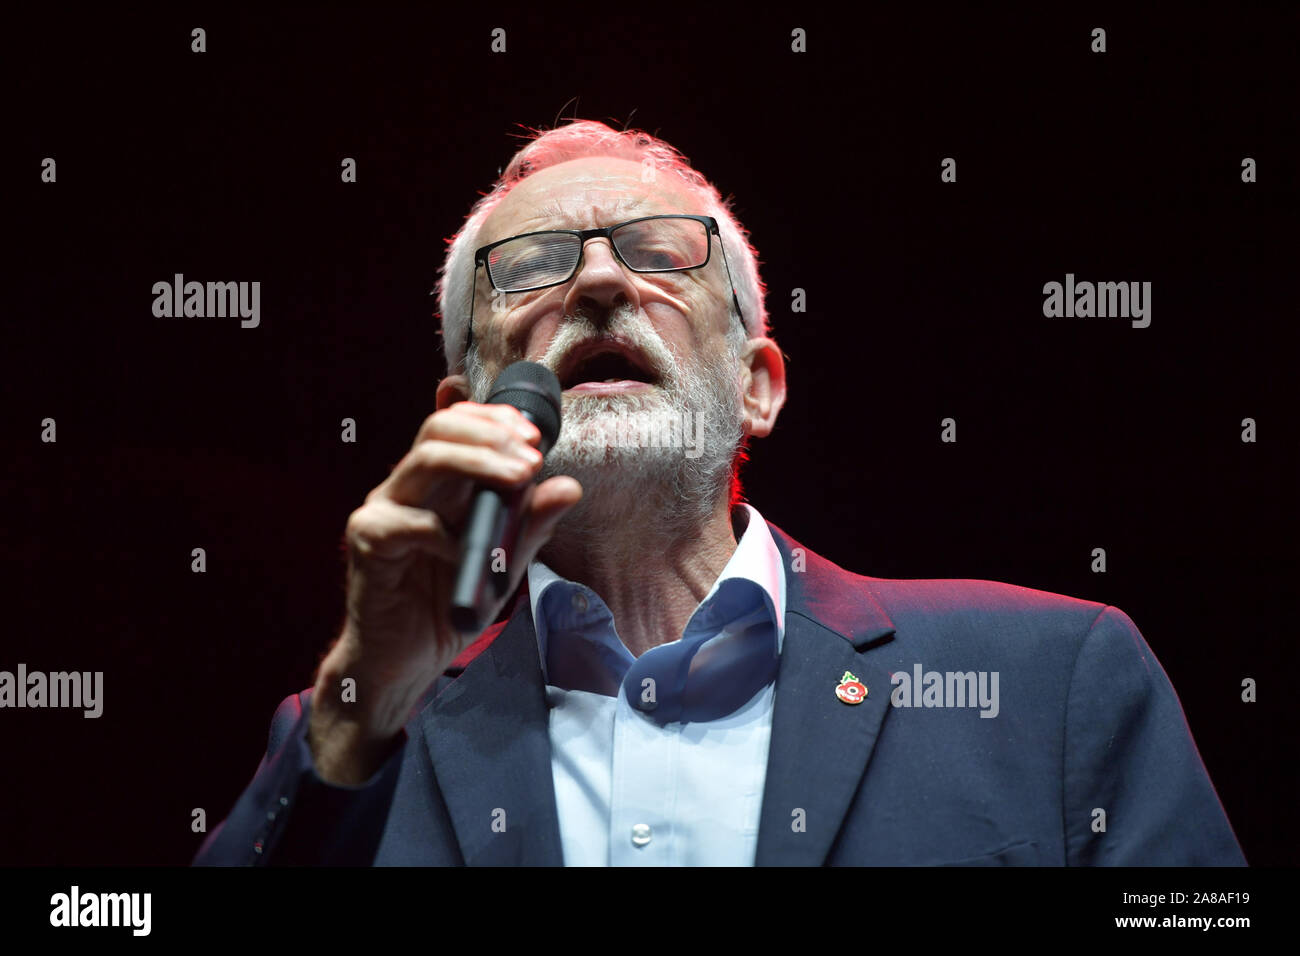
579, 648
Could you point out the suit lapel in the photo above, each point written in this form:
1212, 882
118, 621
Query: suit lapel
820, 746
488, 734
488, 737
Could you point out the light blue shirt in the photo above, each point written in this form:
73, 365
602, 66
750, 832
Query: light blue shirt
661, 760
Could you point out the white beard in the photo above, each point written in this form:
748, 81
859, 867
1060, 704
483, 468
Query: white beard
693, 420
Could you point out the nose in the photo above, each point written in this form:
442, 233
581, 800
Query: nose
602, 284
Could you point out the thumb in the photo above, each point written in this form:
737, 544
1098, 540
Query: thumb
551, 501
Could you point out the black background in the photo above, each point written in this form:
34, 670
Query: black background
924, 301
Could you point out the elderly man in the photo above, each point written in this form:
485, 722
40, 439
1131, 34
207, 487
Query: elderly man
677, 681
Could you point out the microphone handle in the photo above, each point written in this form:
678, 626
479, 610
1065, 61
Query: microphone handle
493, 522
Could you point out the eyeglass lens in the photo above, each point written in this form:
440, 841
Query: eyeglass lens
651, 245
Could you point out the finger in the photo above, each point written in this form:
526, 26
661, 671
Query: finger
438, 469
386, 530
559, 493
470, 428
463, 413
551, 501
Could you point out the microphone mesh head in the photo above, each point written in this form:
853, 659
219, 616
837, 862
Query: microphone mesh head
534, 390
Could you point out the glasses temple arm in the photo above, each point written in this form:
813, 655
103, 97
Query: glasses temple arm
735, 299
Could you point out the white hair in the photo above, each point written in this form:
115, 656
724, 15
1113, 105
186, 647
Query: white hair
683, 479
577, 140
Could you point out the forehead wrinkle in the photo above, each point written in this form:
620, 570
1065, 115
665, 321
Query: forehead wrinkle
553, 215
544, 207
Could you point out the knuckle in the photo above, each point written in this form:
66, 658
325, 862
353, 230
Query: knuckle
504, 440
465, 408
427, 454
358, 532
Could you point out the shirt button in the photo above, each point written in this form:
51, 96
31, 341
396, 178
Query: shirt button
641, 834
580, 602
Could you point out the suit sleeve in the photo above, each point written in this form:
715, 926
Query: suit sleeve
288, 815
1130, 754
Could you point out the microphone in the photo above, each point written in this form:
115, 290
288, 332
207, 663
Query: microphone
494, 520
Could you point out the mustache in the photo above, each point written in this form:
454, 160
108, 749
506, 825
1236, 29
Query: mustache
626, 328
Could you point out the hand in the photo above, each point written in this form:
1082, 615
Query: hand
403, 548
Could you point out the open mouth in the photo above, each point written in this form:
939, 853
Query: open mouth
605, 362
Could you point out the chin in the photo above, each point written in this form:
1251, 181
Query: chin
598, 447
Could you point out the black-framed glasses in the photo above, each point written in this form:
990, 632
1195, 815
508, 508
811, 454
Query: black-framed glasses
650, 244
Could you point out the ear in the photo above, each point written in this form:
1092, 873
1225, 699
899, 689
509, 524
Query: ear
763, 385
452, 389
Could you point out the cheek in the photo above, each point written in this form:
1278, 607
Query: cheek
675, 291
538, 334
708, 302
691, 327
526, 326
673, 328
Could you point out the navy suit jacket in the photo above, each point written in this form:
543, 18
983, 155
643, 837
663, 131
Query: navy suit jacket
1088, 761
